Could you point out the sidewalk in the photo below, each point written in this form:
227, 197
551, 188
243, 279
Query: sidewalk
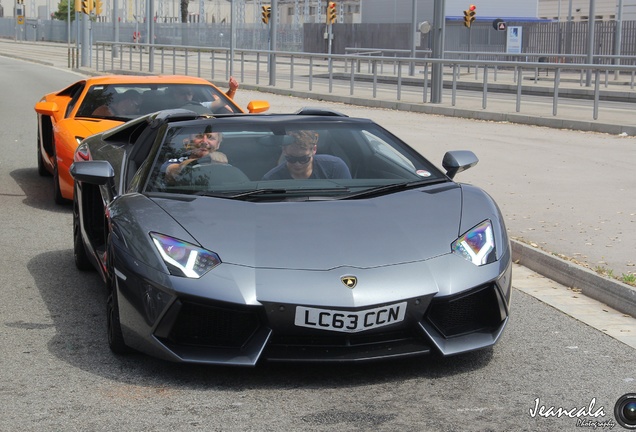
566, 280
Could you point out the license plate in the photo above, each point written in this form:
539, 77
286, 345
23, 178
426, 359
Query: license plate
349, 321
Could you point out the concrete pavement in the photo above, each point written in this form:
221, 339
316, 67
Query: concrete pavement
606, 300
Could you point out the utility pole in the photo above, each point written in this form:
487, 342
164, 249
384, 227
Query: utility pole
115, 52
618, 37
151, 35
86, 38
413, 33
273, 28
232, 35
437, 71
590, 41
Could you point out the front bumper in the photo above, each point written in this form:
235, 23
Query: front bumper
185, 327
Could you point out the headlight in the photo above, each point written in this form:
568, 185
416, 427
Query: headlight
477, 245
184, 259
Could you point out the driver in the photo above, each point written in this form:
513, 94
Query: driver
122, 104
201, 147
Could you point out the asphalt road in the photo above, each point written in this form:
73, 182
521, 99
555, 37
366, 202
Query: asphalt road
57, 373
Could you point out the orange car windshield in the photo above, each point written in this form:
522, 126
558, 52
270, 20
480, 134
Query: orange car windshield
129, 101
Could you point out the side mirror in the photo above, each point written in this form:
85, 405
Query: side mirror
46, 108
457, 161
99, 173
257, 106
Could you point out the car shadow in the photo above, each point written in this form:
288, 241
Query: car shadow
76, 303
38, 190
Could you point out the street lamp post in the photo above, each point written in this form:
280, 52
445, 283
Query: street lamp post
618, 38
232, 35
590, 42
151, 35
413, 33
273, 28
115, 51
568, 31
68, 29
437, 72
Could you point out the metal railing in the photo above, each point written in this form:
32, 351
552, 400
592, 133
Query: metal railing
381, 77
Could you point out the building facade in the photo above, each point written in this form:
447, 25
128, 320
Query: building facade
298, 12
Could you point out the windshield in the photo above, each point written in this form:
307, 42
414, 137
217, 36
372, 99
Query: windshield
129, 101
266, 160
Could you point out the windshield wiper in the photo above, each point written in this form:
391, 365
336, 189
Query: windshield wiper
394, 187
256, 192
272, 191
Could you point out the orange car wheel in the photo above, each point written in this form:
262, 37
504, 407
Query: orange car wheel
57, 191
41, 168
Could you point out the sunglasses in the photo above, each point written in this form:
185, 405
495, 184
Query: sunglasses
298, 159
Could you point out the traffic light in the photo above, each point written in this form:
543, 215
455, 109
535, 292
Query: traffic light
331, 13
98, 7
469, 15
87, 6
20, 2
267, 11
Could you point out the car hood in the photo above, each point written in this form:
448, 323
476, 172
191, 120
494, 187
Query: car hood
87, 127
398, 228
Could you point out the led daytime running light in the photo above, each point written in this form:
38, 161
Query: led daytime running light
477, 244
189, 259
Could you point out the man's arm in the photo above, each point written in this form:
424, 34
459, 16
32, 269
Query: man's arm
233, 84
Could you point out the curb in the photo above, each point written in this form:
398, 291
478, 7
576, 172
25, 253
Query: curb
613, 293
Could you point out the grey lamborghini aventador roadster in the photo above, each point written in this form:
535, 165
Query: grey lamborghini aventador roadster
305, 237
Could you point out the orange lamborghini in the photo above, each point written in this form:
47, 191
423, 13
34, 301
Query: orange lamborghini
96, 104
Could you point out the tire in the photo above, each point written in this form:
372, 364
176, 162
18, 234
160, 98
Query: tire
82, 261
42, 171
116, 341
115, 336
57, 192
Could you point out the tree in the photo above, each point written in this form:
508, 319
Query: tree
62, 11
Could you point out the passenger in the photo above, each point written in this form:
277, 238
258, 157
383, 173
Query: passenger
122, 104
302, 162
198, 146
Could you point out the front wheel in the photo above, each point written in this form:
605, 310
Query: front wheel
116, 341
57, 191
115, 336
42, 171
